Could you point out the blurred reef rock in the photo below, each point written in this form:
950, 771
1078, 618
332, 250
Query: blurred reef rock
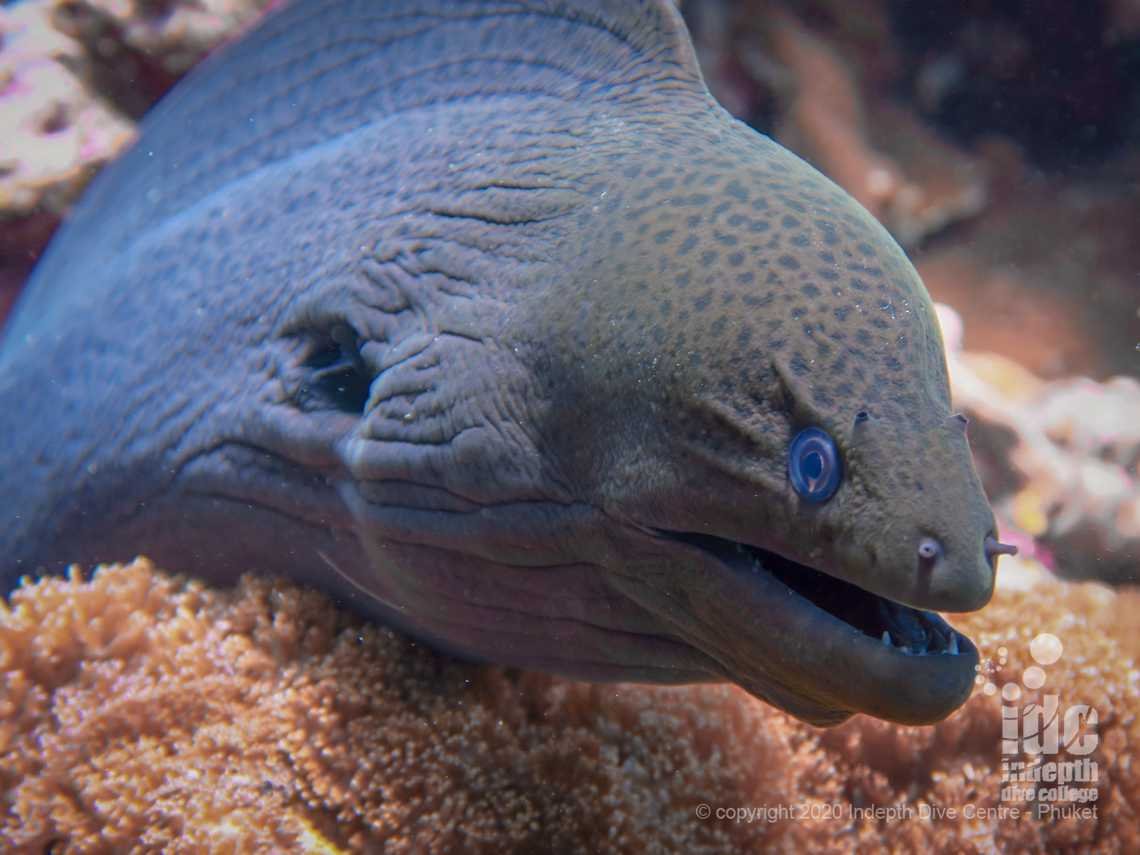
75, 78
998, 141
1060, 460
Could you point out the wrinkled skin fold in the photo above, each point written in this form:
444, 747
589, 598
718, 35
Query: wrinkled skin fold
487, 319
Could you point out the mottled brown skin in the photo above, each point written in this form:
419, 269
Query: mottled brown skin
487, 319
750, 297
753, 297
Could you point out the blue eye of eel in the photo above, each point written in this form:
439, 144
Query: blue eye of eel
814, 465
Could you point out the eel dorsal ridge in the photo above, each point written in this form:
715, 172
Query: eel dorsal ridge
314, 72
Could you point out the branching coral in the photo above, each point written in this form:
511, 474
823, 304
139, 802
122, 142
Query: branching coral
141, 709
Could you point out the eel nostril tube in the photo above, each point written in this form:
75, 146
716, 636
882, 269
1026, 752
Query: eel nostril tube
995, 547
929, 550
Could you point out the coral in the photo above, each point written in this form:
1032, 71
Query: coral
141, 709
1060, 460
171, 34
57, 131
75, 76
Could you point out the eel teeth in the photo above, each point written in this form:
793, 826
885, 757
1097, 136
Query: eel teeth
931, 642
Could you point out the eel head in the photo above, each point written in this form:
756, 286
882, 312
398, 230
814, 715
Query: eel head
769, 432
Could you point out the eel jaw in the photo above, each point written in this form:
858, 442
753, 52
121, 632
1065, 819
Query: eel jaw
897, 662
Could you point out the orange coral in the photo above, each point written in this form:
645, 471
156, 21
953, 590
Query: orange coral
142, 709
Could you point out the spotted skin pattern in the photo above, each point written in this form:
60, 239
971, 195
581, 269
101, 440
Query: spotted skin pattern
485, 318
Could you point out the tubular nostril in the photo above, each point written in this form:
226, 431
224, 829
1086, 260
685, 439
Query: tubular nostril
929, 550
994, 548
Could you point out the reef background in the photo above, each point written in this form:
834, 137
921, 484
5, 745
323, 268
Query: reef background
1000, 144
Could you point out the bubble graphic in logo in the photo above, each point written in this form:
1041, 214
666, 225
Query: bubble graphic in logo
1046, 648
1033, 677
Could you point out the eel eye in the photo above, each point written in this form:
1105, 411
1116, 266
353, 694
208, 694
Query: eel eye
814, 465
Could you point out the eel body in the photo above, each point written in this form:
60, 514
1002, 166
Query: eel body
485, 318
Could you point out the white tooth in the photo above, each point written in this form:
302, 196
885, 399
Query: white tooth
886, 638
954, 643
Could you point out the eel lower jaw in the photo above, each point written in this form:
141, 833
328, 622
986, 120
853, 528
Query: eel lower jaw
913, 667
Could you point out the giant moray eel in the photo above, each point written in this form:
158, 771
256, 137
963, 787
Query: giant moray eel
485, 318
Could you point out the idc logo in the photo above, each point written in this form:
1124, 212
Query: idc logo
1045, 748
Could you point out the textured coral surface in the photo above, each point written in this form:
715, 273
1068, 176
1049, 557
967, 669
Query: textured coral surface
139, 709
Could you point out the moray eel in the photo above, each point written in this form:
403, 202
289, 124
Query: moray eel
486, 319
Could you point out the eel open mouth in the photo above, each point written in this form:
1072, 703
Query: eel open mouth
815, 645
910, 631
